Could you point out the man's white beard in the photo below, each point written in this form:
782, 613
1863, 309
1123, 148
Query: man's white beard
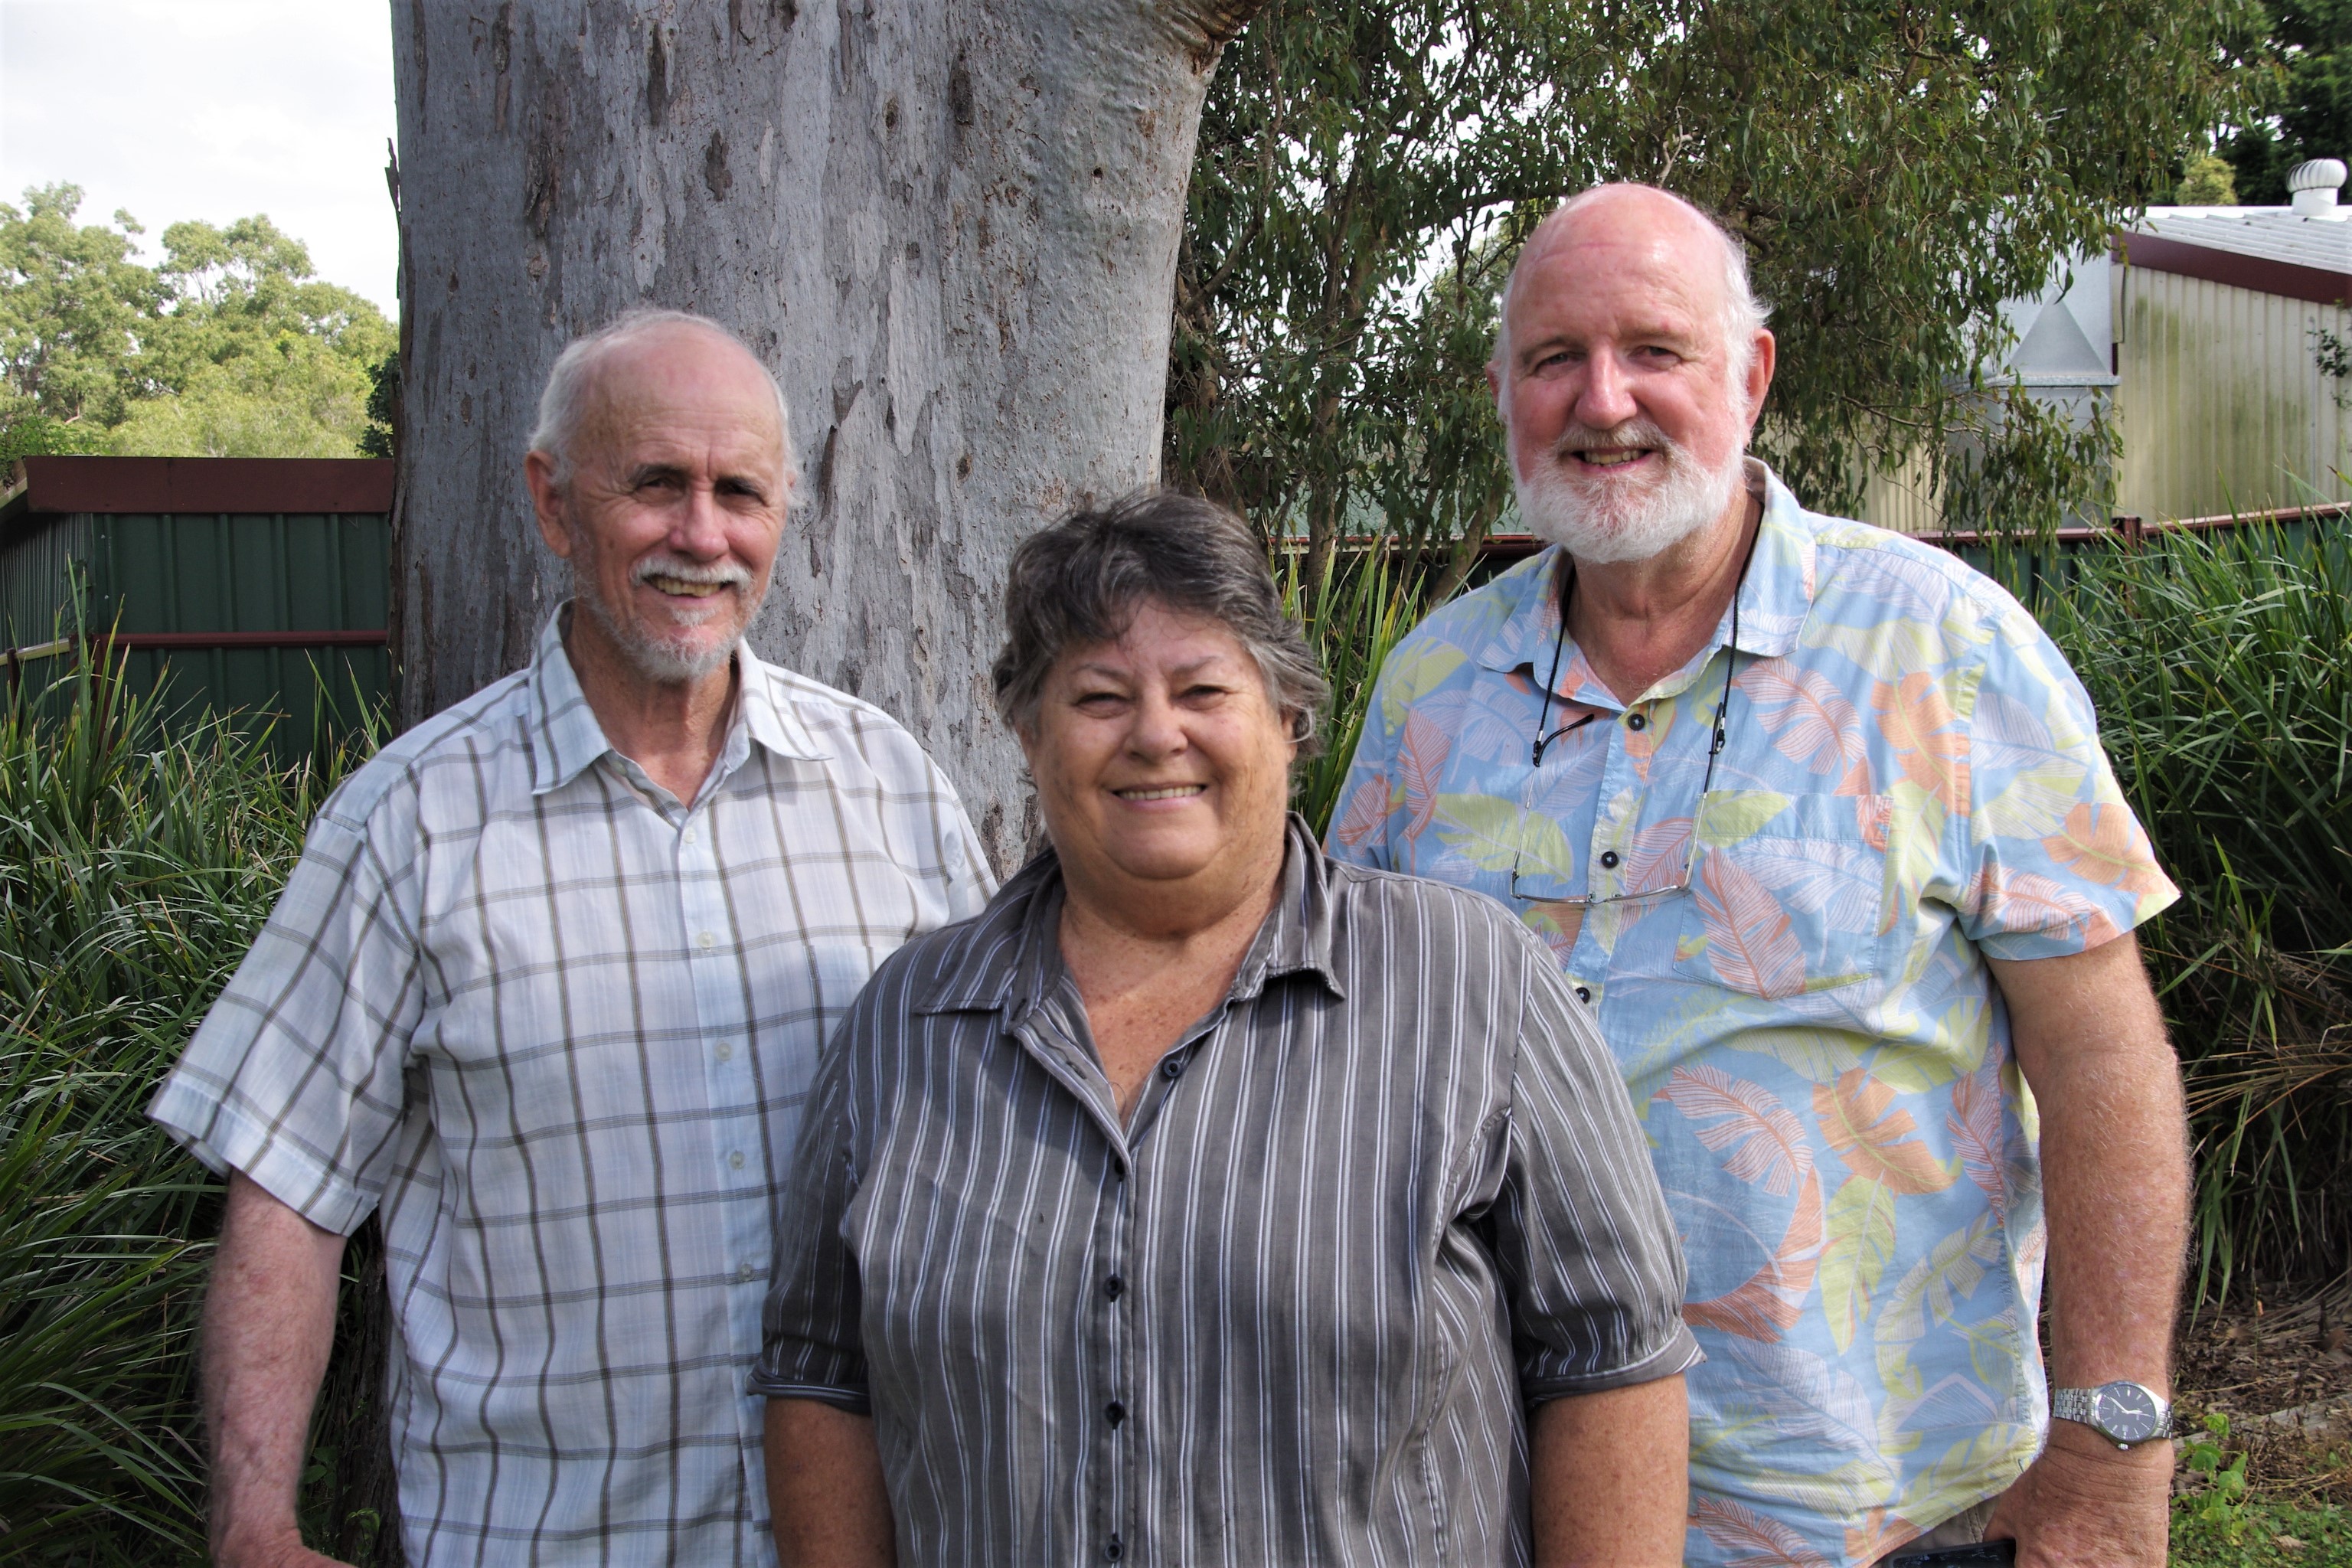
682, 659
1599, 520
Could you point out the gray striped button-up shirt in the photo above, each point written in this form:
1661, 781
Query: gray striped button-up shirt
560, 1025
1387, 1193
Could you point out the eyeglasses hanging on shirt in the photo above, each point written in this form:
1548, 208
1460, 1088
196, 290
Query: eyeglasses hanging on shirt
1707, 780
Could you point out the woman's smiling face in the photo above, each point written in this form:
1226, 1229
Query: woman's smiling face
1158, 757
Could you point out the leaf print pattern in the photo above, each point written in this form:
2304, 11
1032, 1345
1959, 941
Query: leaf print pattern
1860, 1245
1910, 770
2104, 843
1419, 759
1767, 1143
1924, 732
1879, 1533
1772, 1300
1660, 854
1758, 1541
1749, 937
1872, 1135
1366, 813
1975, 1122
1807, 716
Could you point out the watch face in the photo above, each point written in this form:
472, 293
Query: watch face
2125, 1412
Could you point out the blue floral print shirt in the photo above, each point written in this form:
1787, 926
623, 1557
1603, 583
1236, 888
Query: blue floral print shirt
1910, 780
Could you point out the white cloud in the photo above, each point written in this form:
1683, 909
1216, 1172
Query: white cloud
212, 110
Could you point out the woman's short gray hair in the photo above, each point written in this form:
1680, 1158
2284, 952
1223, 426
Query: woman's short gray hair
563, 403
1081, 581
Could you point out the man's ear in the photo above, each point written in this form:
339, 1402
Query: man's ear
547, 502
1759, 373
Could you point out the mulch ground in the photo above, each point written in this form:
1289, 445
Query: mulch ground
2282, 1373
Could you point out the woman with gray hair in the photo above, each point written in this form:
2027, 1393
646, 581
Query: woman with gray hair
1203, 1200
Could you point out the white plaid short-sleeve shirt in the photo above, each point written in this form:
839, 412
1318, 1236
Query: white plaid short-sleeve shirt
559, 1027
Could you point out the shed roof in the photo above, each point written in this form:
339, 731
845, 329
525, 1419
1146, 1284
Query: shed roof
159, 485
2272, 249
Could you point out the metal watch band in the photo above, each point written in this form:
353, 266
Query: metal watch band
2152, 1421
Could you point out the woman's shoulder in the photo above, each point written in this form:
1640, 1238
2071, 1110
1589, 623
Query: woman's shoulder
1403, 906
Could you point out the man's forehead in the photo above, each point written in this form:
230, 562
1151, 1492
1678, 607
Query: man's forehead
655, 394
1625, 239
1643, 274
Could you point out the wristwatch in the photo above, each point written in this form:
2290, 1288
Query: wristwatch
2124, 1413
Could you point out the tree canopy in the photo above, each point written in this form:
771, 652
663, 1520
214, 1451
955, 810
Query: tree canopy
228, 346
1367, 169
2308, 108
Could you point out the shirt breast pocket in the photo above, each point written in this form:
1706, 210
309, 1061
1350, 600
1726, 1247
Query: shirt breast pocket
1789, 893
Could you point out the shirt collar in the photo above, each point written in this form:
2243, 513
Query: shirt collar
1773, 601
565, 737
1025, 918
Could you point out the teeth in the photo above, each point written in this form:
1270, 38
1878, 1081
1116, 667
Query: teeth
1175, 793
1602, 460
680, 586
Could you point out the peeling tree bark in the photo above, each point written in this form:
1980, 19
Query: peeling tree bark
950, 227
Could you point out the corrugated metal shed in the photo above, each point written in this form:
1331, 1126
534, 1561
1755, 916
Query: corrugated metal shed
2206, 332
257, 585
2224, 405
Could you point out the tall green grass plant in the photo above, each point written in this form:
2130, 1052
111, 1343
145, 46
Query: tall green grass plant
2221, 666
137, 862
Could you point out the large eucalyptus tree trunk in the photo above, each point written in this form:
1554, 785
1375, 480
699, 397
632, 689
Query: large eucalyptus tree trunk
950, 226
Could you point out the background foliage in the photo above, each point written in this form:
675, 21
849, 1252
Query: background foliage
2221, 670
137, 863
1367, 168
2306, 109
228, 347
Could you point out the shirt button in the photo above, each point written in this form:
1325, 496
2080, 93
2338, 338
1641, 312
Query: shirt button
744, 1274
1113, 1551
1584, 993
705, 940
735, 1158
1636, 722
1114, 1413
1609, 858
726, 1050
1114, 1288
690, 835
1172, 1068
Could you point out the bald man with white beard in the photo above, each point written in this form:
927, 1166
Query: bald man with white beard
1817, 821
546, 992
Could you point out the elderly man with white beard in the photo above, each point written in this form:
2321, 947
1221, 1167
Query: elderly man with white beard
1817, 820
547, 990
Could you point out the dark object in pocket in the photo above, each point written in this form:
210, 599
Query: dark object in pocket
1984, 1554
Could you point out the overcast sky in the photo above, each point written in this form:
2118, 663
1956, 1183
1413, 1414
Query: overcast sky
212, 109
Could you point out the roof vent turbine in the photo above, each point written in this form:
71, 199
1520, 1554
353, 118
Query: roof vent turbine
2312, 188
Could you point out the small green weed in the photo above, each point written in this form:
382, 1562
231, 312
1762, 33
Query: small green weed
2262, 1534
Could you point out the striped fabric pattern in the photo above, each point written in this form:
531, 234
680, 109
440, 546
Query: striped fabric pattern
560, 1027
1387, 1191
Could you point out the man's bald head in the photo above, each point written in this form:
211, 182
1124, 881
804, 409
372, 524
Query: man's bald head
1603, 208
568, 405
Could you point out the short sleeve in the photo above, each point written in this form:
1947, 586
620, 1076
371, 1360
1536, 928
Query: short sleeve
1582, 1233
2049, 859
296, 1076
811, 1346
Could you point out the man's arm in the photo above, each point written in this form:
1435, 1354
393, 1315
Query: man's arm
2115, 1174
824, 1488
270, 1321
1608, 1476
